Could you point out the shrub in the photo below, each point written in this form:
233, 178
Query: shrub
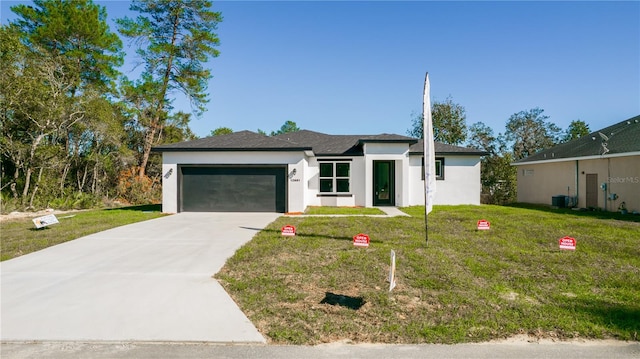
136, 190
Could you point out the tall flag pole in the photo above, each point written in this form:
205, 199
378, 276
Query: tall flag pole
429, 156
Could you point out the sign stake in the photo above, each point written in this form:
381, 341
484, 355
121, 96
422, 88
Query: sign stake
392, 271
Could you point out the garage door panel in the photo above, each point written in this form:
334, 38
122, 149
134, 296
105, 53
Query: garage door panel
233, 189
230, 193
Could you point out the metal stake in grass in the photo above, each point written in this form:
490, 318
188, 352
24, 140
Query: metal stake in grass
429, 156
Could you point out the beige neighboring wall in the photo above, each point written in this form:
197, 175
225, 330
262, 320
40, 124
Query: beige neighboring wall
622, 175
539, 182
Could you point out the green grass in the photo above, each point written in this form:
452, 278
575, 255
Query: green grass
19, 236
464, 286
342, 211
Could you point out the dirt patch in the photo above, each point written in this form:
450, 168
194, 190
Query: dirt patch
22, 215
528, 338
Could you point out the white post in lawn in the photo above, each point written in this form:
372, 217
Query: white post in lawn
392, 271
429, 156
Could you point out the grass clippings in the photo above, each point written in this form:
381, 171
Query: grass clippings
464, 286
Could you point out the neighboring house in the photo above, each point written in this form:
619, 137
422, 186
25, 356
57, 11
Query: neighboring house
246, 171
600, 170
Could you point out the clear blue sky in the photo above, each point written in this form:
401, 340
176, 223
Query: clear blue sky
358, 67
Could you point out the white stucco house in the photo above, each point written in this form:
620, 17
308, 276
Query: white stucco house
249, 172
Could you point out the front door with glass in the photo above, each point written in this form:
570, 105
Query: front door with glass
383, 183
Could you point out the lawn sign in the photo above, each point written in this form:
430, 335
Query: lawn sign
361, 240
483, 225
288, 230
567, 243
44, 221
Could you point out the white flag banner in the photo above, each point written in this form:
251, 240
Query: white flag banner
429, 149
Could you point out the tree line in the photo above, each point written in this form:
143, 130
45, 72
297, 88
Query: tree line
526, 132
75, 129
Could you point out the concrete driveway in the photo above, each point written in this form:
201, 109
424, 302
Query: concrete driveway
148, 281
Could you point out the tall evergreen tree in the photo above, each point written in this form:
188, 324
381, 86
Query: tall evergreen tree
221, 131
68, 60
177, 38
288, 126
76, 31
576, 129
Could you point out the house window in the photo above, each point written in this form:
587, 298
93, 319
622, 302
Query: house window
439, 169
334, 177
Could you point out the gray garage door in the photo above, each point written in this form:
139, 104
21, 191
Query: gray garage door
233, 189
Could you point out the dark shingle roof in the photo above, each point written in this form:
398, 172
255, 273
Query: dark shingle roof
237, 141
623, 137
320, 143
445, 149
324, 144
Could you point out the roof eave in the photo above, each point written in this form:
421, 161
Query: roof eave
592, 157
479, 154
319, 154
410, 142
226, 149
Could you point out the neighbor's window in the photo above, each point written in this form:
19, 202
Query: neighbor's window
439, 168
334, 177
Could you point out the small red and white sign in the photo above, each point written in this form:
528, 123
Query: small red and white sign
288, 230
483, 225
361, 240
567, 243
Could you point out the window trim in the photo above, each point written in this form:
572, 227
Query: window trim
441, 161
334, 178
438, 177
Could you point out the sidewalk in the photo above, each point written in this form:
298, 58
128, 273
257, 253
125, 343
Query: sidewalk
522, 350
392, 211
389, 212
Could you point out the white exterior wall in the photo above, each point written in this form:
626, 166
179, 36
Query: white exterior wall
461, 184
398, 152
313, 196
358, 181
416, 183
296, 201
312, 182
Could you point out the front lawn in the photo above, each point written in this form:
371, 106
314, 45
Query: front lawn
464, 286
324, 210
19, 236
